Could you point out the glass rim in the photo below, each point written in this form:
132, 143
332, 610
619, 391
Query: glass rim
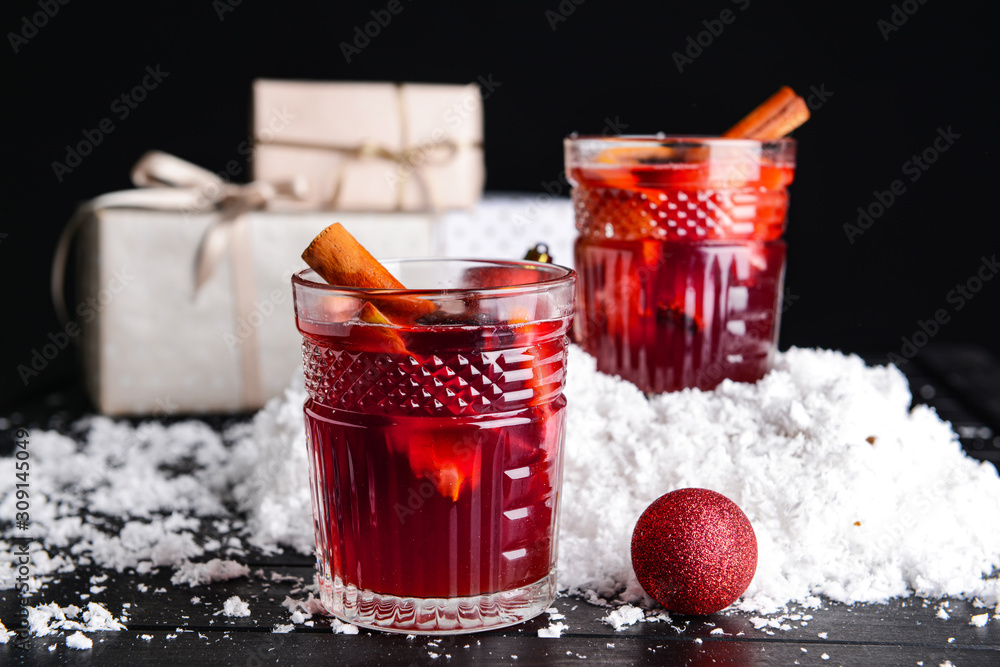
662, 139
561, 275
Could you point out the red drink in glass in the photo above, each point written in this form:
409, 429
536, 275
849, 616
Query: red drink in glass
435, 446
679, 256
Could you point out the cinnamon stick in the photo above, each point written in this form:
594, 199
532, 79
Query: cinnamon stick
777, 116
340, 260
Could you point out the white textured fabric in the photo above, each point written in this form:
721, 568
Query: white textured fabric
506, 226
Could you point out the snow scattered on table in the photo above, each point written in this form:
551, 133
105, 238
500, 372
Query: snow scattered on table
200, 574
79, 641
553, 630
5, 634
823, 445
341, 628
235, 607
624, 616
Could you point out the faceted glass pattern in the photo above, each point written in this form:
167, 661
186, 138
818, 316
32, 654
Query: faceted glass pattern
452, 384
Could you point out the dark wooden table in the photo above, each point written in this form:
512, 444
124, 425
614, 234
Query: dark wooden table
963, 384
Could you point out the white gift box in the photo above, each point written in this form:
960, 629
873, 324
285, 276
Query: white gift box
153, 344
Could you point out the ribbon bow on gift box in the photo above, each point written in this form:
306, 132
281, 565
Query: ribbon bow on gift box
167, 183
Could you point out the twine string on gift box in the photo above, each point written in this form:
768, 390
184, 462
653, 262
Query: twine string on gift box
409, 159
167, 183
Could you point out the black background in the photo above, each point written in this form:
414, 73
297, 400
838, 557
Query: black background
887, 93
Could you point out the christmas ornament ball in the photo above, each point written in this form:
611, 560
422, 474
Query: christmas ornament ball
694, 551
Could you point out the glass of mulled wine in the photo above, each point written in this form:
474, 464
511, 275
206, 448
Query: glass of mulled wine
435, 434
679, 255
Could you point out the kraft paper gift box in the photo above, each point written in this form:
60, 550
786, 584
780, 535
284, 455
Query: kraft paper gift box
371, 146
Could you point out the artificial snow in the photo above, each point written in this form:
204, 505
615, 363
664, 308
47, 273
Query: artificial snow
98, 618
269, 469
835, 514
199, 574
624, 616
555, 614
553, 630
235, 607
45, 619
79, 641
341, 628
5, 634
853, 496
311, 605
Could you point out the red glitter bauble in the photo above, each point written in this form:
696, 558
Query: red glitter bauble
694, 551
